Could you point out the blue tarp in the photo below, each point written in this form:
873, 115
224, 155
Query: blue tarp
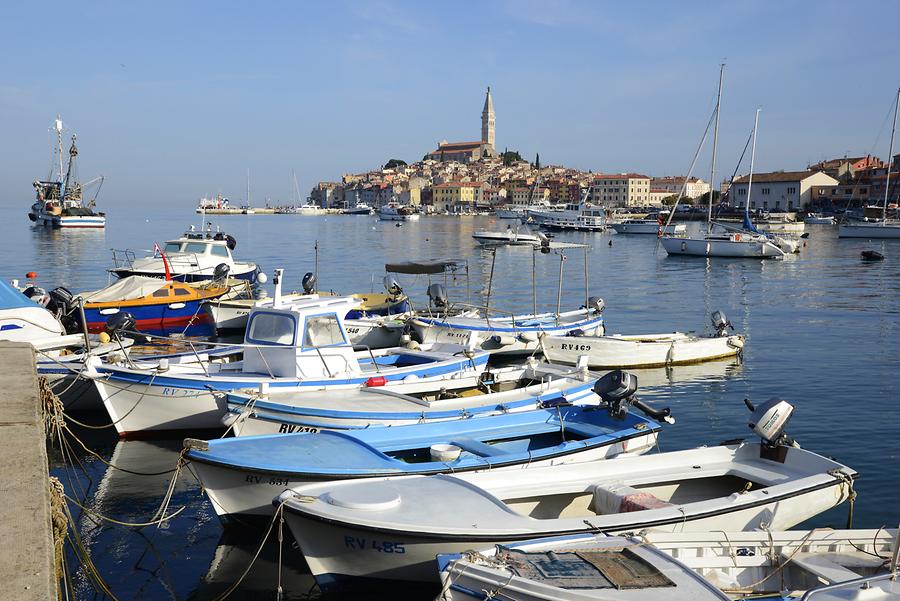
10, 298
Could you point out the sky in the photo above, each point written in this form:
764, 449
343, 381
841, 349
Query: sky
175, 100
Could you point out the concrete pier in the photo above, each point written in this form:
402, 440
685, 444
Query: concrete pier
27, 565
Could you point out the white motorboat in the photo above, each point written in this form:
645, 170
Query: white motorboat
417, 400
819, 565
360, 209
511, 237
194, 257
59, 201
343, 528
395, 212
645, 226
511, 213
310, 209
817, 219
582, 216
242, 475
645, 350
303, 345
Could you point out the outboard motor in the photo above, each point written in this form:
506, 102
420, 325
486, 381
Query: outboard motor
119, 323
61, 301
720, 323
545, 242
617, 389
308, 282
437, 296
769, 419
392, 285
221, 272
230, 242
596, 304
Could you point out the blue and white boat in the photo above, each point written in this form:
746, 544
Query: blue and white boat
241, 476
301, 346
500, 390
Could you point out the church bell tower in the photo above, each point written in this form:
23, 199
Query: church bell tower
487, 120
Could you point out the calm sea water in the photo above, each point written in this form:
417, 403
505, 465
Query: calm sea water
821, 331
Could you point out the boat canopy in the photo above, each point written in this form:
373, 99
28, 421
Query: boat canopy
430, 266
10, 298
128, 288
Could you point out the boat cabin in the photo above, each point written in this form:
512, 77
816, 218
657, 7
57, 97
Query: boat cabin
305, 338
199, 244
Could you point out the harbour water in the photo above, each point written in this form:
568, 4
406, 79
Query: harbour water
821, 331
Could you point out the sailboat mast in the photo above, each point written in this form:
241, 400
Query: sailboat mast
58, 127
248, 187
890, 160
752, 159
712, 172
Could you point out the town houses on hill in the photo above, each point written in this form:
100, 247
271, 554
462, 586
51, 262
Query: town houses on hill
462, 177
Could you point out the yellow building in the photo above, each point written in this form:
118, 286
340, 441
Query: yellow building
456, 196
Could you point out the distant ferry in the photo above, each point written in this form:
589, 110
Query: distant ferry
59, 198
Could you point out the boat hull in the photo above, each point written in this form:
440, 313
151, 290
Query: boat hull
248, 274
150, 316
700, 247
610, 352
647, 228
868, 230
341, 554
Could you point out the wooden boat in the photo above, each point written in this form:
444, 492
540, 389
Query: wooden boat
645, 350
819, 565
392, 528
155, 303
242, 475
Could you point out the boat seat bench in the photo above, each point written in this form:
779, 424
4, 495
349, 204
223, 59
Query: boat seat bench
823, 565
585, 430
477, 447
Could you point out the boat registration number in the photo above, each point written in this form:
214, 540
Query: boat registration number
290, 429
568, 346
380, 546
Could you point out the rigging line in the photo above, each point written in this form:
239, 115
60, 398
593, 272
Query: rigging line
100, 516
691, 170
738, 166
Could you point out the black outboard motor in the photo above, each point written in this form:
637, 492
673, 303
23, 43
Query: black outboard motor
437, 296
617, 389
230, 242
595, 304
308, 282
119, 323
61, 303
392, 286
221, 272
720, 323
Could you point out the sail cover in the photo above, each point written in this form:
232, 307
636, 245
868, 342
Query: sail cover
748, 225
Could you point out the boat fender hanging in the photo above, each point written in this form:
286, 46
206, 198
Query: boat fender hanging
528, 336
376, 381
503, 339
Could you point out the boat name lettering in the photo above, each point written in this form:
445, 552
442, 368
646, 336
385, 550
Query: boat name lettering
568, 346
273, 481
290, 429
362, 544
352, 330
170, 391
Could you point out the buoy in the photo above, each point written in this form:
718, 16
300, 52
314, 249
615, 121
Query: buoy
103, 337
31, 275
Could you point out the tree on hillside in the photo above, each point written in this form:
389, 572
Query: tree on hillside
510, 156
394, 163
537, 160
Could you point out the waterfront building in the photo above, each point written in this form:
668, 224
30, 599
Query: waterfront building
466, 152
695, 187
847, 167
457, 197
658, 196
621, 190
778, 191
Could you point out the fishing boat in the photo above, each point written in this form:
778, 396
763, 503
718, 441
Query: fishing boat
242, 475
60, 198
647, 226
194, 257
155, 304
818, 219
230, 315
500, 390
508, 333
817, 565
302, 345
645, 350
735, 242
884, 228
511, 237
391, 529
396, 212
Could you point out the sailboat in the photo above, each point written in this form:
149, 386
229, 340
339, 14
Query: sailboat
745, 242
59, 198
883, 228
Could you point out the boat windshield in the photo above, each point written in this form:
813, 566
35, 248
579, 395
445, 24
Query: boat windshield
198, 248
323, 330
271, 328
173, 247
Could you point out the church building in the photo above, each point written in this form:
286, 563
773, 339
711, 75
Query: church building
465, 152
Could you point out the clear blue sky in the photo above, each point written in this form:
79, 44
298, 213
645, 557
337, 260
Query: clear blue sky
173, 100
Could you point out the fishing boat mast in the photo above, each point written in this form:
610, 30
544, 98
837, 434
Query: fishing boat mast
752, 158
712, 173
72, 188
890, 160
58, 128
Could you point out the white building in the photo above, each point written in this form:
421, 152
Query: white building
779, 191
622, 190
695, 187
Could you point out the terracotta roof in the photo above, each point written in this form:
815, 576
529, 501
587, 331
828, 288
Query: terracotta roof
778, 176
621, 176
459, 185
457, 146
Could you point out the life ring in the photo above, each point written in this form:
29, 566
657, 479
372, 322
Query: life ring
737, 237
